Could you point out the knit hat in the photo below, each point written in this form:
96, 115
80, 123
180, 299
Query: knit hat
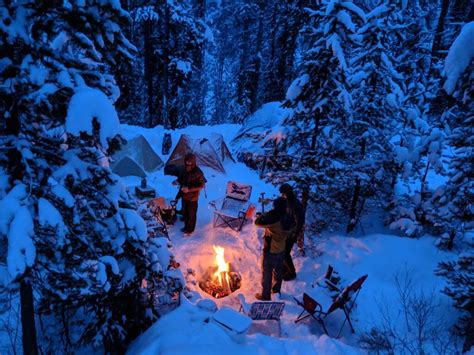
287, 189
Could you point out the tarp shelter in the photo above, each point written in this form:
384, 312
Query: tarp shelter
265, 126
136, 158
211, 152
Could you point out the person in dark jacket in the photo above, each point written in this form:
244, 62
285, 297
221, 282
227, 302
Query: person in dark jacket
276, 231
191, 181
296, 235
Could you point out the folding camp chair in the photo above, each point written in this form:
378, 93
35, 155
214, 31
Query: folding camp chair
324, 305
262, 310
329, 280
234, 209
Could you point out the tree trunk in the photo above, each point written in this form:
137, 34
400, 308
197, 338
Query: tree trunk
270, 67
297, 14
438, 38
352, 214
305, 198
200, 13
469, 340
306, 189
28, 327
149, 70
166, 34
355, 197
242, 94
257, 61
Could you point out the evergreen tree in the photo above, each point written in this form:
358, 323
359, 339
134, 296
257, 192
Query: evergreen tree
453, 207
168, 71
318, 119
284, 21
71, 233
221, 60
234, 60
420, 141
377, 95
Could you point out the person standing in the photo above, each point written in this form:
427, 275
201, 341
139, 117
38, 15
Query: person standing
191, 181
296, 235
276, 232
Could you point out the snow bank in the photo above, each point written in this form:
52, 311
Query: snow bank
87, 105
459, 56
190, 329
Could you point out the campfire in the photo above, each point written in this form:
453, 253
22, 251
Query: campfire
219, 280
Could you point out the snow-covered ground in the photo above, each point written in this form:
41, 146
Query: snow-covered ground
190, 329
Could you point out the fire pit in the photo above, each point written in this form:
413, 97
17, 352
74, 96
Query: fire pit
219, 280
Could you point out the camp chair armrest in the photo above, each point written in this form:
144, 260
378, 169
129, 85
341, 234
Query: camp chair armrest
242, 214
331, 286
216, 203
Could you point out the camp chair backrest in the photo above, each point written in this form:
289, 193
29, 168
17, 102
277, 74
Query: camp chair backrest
346, 294
329, 272
238, 191
309, 303
356, 285
266, 310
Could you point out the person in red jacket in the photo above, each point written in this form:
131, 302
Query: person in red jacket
191, 181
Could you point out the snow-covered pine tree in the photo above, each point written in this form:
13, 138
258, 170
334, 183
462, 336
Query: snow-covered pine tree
454, 205
179, 55
220, 60
283, 21
249, 59
136, 78
377, 94
233, 66
168, 68
322, 103
419, 144
71, 233
251, 54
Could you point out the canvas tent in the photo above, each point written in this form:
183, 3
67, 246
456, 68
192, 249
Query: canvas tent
136, 158
127, 166
221, 148
211, 152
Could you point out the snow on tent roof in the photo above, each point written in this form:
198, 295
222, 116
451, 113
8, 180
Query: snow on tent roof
263, 125
126, 166
203, 148
139, 150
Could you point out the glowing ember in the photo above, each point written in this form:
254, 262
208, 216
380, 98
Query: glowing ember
219, 280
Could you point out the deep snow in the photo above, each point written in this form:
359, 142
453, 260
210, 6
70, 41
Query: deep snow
190, 329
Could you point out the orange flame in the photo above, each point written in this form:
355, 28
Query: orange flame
222, 266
